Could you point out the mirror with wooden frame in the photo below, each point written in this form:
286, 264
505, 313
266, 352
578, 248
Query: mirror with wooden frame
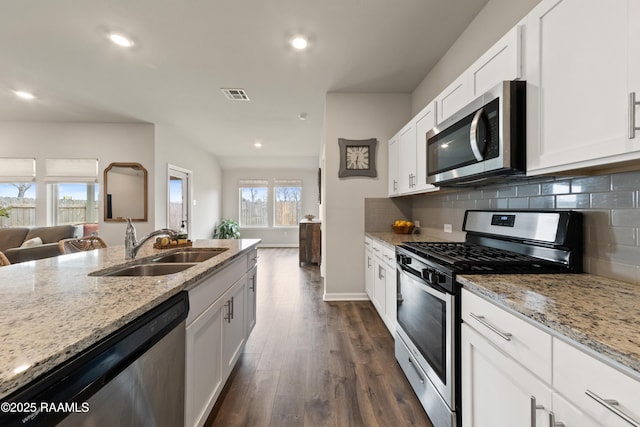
125, 192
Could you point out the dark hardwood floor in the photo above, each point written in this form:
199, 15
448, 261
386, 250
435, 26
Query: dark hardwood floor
313, 363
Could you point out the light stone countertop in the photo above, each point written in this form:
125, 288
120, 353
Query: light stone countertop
596, 312
51, 309
599, 313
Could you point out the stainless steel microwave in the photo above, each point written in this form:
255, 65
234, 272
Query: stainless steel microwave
484, 140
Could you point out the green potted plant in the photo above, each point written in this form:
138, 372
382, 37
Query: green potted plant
227, 229
4, 212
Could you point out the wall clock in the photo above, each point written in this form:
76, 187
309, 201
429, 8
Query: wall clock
357, 157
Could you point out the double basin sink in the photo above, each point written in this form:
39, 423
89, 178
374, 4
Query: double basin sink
170, 263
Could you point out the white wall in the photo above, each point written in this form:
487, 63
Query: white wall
108, 142
272, 236
493, 21
353, 116
171, 148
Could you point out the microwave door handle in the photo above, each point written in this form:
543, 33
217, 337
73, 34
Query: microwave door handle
473, 135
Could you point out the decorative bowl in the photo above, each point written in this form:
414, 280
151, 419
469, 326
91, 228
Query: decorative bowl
309, 217
403, 229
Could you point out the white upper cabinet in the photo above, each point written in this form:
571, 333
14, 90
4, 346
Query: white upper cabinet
453, 98
393, 166
503, 61
407, 158
425, 121
580, 60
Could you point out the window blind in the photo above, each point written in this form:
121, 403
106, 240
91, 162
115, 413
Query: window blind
71, 170
17, 170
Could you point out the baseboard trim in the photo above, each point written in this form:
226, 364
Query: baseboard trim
278, 245
360, 296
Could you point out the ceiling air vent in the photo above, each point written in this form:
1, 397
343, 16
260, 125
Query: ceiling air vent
235, 94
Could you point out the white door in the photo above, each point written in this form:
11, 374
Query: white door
407, 158
393, 166
178, 198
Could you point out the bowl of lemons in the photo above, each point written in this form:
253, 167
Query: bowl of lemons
401, 226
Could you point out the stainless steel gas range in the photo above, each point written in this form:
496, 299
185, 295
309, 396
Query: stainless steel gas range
428, 327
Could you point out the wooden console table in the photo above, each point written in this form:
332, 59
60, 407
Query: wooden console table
309, 236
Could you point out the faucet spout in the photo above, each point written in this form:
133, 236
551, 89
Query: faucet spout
132, 245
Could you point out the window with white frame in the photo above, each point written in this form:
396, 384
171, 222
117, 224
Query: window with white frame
17, 192
287, 202
253, 207
73, 191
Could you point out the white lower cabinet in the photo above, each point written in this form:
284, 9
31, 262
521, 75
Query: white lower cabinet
368, 267
380, 280
496, 390
221, 315
508, 386
252, 293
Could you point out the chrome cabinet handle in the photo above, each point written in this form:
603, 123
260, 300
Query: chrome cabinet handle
504, 335
473, 135
253, 284
611, 404
227, 316
232, 308
632, 115
416, 370
534, 409
553, 422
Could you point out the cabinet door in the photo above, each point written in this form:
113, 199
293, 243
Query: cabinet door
634, 66
233, 325
501, 62
203, 372
425, 121
564, 412
407, 158
576, 59
393, 166
252, 292
368, 268
496, 390
453, 98
379, 287
391, 298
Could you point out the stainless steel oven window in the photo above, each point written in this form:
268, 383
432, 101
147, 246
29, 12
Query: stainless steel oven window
423, 314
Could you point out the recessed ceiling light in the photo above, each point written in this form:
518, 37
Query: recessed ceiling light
303, 116
121, 40
258, 145
299, 42
24, 95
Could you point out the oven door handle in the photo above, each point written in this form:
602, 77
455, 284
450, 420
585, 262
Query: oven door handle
428, 288
473, 135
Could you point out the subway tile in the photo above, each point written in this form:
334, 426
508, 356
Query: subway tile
614, 270
507, 192
483, 204
624, 254
518, 203
490, 193
625, 181
528, 190
499, 203
591, 184
475, 194
542, 202
613, 200
555, 187
572, 201
625, 217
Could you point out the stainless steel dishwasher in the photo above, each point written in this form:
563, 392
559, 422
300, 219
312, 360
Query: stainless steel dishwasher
134, 377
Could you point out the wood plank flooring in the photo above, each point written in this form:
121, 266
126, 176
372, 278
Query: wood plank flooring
313, 363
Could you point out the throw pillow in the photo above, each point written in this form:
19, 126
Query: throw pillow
36, 241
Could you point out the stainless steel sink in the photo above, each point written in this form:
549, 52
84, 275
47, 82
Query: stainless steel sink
189, 255
155, 269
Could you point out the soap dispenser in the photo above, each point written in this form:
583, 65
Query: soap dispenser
182, 233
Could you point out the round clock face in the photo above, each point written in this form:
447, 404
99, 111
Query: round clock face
357, 157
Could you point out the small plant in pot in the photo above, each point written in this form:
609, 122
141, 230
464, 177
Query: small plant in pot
227, 229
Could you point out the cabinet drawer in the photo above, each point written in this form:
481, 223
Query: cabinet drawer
252, 259
583, 380
206, 292
518, 338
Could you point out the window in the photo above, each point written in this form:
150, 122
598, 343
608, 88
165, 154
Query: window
73, 191
75, 203
17, 192
287, 202
253, 203
17, 204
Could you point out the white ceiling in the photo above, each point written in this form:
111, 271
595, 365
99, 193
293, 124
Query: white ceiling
187, 50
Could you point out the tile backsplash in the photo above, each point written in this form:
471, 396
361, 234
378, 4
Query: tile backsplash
610, 204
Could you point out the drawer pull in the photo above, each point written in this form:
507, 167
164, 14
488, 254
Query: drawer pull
504, 335
415, 368
632, 115
553, 422
534, 409
611, 405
